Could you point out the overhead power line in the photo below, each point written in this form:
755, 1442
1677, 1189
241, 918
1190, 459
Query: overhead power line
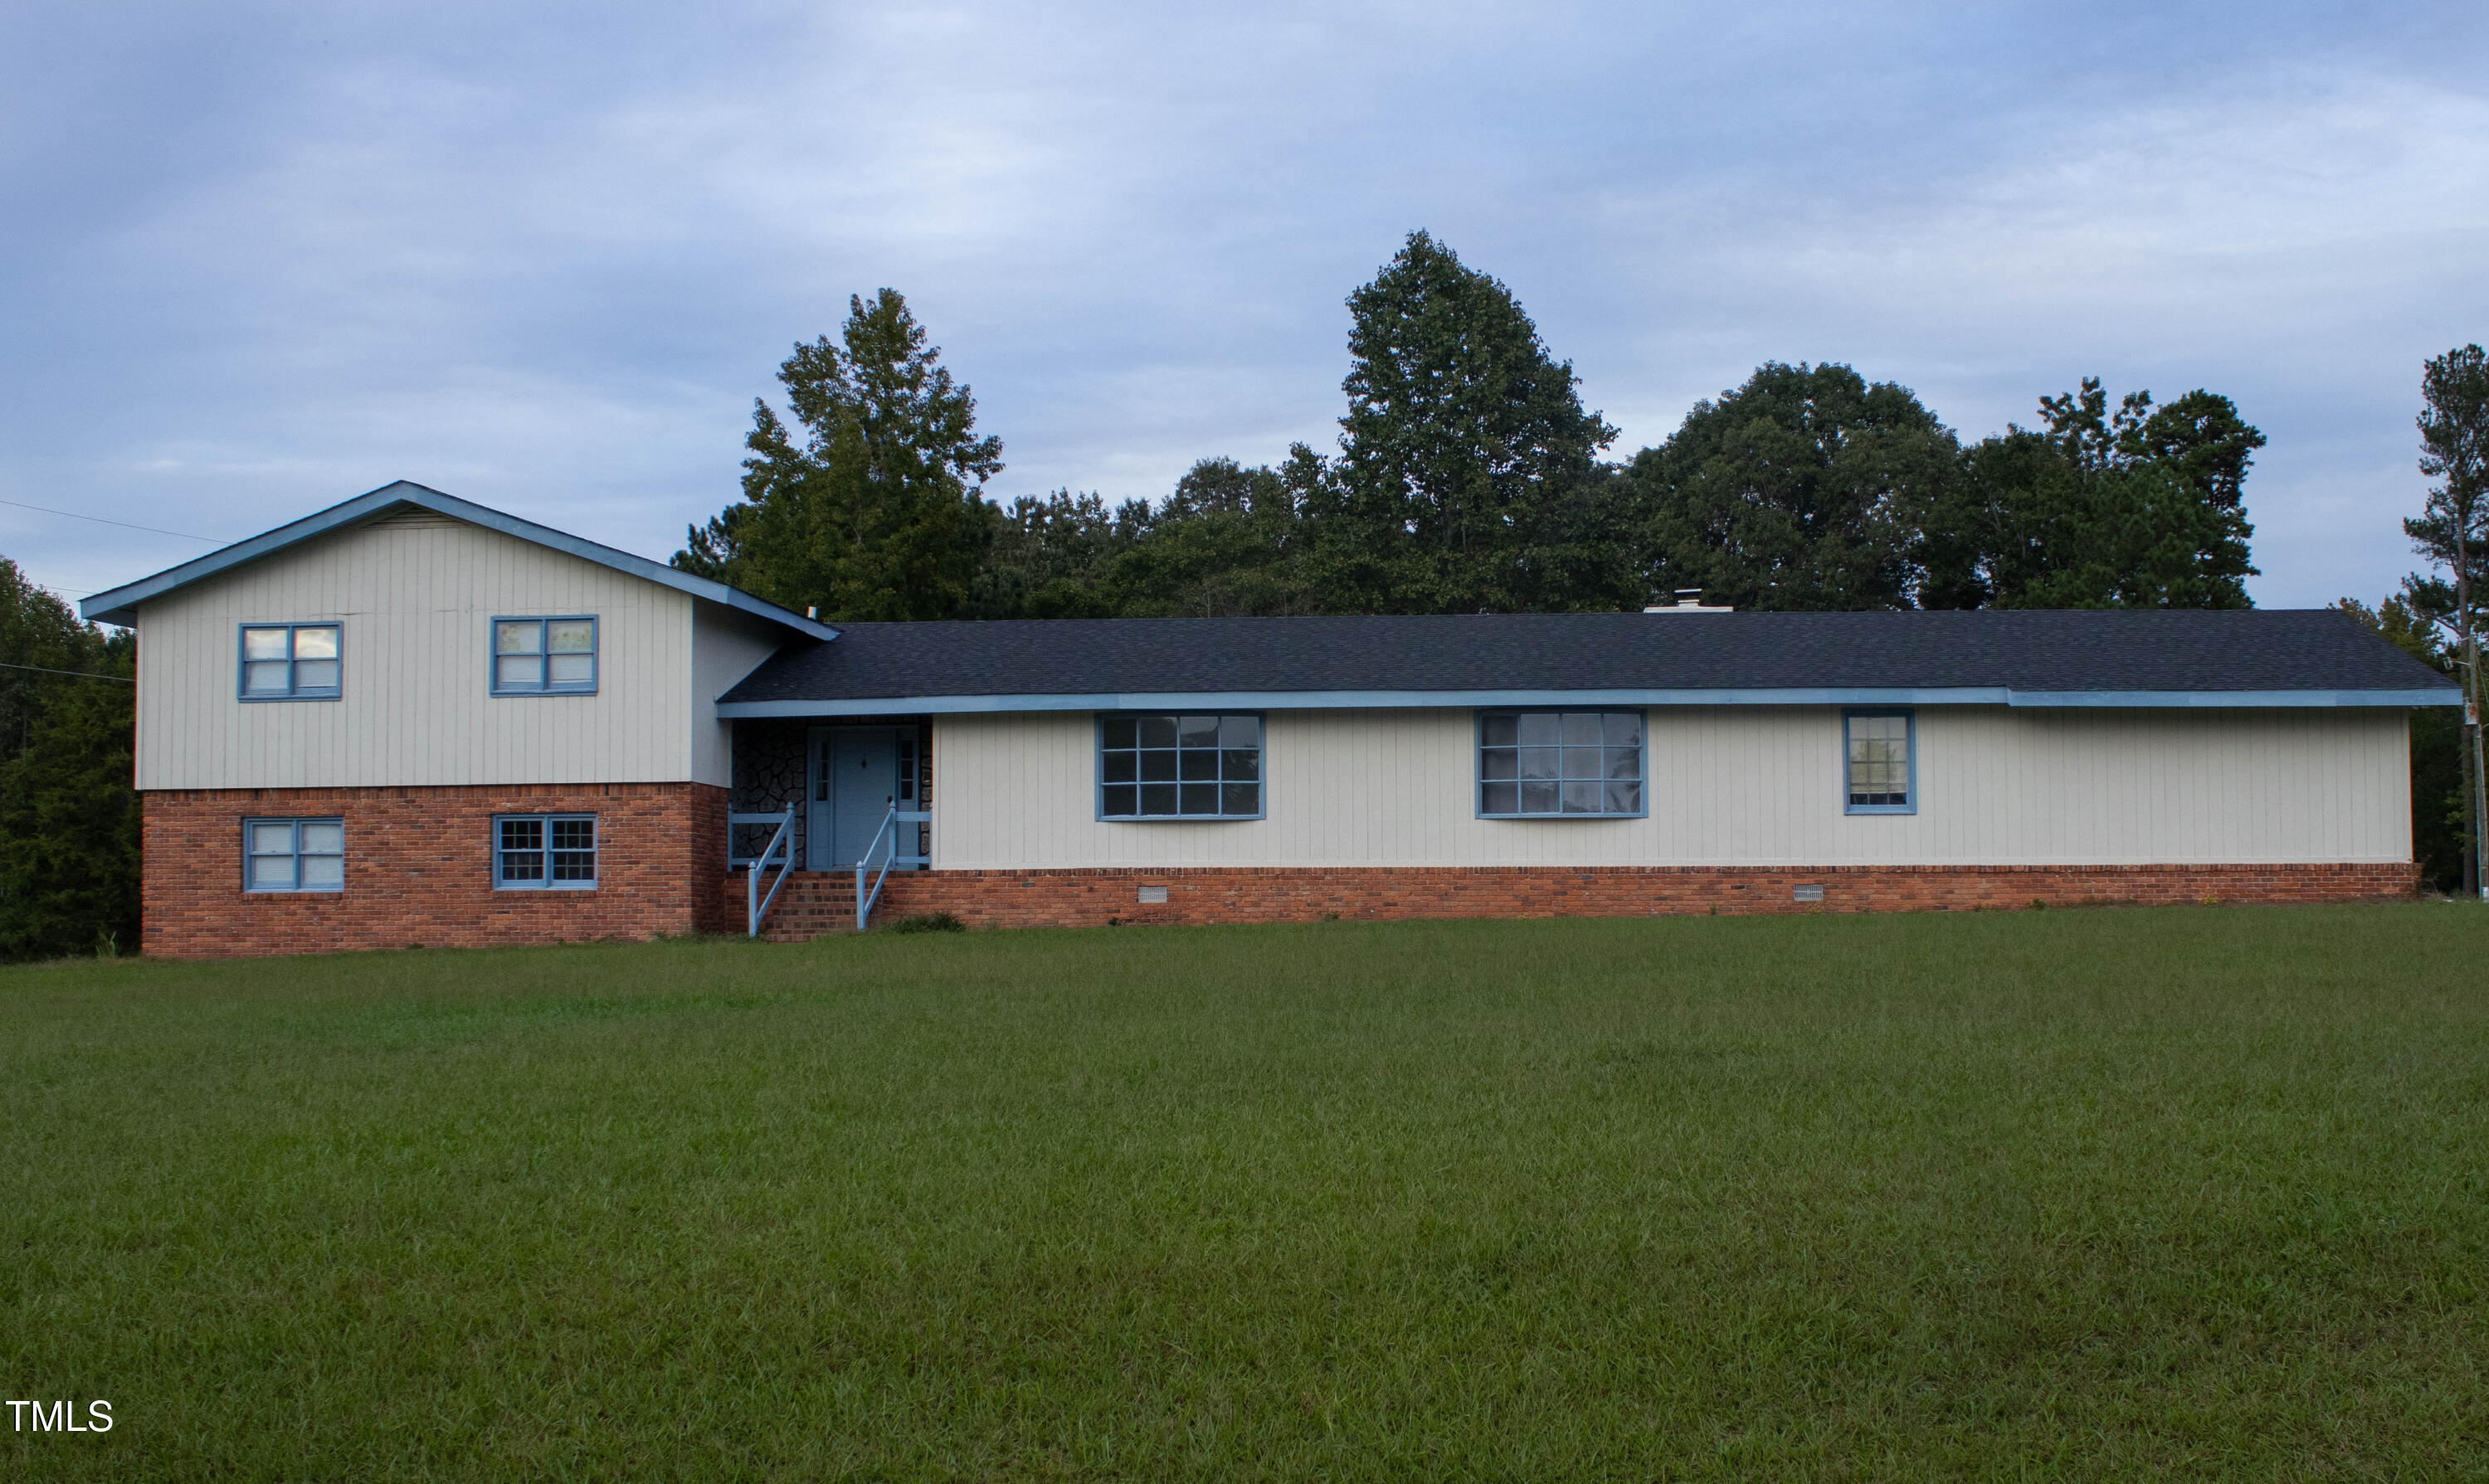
101, 521
90, 675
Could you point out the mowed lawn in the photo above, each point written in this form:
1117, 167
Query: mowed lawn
2084, 1194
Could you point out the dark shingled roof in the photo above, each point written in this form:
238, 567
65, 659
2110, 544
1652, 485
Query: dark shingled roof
2315, 649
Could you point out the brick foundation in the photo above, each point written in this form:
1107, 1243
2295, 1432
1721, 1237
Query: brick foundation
1065, 899
418, 869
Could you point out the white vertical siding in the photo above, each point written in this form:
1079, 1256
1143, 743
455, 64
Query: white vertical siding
726, 646
416, 597
1727, 785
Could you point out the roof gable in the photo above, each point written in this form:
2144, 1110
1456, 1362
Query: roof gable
119, 605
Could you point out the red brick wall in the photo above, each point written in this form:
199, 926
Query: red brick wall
418, 869
1058, 898
418, 872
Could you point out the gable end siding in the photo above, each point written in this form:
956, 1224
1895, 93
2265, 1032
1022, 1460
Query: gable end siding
416, 600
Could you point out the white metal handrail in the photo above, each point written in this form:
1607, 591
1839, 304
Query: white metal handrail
781, 845
889, 830
737, 820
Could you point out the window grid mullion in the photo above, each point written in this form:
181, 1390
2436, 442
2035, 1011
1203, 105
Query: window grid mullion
1544, 758
291, 852
1146, 770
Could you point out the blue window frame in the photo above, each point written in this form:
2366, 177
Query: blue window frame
290, 662
1561, 765
545, 656
544, 852
293, 855
1180, 767
1880, 762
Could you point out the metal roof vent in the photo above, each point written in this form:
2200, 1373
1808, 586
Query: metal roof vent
1689, 600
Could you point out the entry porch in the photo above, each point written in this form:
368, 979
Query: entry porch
812, 799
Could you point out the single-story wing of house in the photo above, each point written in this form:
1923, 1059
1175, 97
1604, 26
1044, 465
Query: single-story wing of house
410, 720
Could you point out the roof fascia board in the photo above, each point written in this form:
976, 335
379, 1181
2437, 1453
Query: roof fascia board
1322, 700
2447, 695
119, 605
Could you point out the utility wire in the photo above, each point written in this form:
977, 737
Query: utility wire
101, 521
90, 675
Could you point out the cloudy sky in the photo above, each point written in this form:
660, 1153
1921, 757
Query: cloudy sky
254, 260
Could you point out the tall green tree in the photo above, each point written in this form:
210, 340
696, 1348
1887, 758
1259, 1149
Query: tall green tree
69, 812
2136, 508
1804, 488
1468, 475
2452, 532
2439, 836
875, 512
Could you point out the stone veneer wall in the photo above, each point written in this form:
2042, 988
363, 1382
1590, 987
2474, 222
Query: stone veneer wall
418, 869
1096, 897
771, 757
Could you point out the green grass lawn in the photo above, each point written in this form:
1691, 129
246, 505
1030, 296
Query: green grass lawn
2032, 1195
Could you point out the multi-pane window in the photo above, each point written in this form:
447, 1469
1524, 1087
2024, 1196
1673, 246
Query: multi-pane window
1876, 762
289, 662
1180, 767
544, 852
544, 656
1559, 764
293, 855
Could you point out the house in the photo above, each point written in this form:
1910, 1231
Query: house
412, 720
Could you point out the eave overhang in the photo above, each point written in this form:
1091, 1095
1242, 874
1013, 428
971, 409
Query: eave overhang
1321, 701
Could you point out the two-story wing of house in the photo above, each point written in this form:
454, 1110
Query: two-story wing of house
410, 720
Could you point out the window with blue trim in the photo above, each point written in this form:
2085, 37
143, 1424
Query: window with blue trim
290, 662
293, 855
544, 853
1559, 764
544, 656
1180, 767
1878, 765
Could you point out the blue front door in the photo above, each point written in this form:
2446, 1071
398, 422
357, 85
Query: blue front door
855, 780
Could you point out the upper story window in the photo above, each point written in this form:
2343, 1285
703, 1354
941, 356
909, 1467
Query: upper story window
544, 656
290, 662
1559, 764
1880, 762
1180, 767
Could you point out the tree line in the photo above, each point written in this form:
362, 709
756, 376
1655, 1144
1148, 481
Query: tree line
69, 814
1467, 477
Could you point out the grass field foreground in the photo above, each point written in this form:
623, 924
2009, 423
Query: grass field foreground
2036, 1195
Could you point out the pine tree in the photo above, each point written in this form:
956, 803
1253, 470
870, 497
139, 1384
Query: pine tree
1467, 476
2452, 531
875, 513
